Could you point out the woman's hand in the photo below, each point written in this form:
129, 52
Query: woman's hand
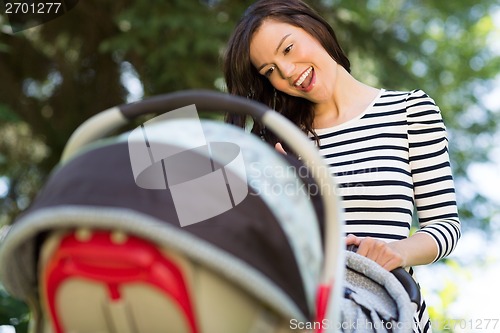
279, 148
384, 254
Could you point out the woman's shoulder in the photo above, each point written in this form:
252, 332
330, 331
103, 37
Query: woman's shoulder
414, 101
406, 95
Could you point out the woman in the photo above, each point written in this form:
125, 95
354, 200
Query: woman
387, 149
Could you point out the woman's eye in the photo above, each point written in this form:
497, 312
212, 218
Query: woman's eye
269, 72
288, 49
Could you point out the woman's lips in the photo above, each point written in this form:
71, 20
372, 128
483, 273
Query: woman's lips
306, 80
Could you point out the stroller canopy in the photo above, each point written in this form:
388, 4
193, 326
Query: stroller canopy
255, 244
274, 241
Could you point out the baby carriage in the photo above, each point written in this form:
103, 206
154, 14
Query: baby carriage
193, 225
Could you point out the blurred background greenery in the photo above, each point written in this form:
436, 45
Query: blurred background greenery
104, 53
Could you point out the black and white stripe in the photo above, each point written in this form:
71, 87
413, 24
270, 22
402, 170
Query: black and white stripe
390, 162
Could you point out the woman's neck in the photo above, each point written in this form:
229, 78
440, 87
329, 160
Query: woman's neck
350, 98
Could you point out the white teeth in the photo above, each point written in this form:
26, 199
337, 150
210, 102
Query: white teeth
303, 77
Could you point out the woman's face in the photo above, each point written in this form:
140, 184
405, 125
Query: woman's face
293, 61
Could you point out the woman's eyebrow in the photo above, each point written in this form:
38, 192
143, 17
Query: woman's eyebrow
281, 43
276, 51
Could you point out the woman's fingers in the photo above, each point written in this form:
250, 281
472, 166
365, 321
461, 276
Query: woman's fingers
377, 251
352, 240
279, 148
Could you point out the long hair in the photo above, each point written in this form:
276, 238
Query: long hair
242, 77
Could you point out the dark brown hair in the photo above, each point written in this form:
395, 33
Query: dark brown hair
242, 77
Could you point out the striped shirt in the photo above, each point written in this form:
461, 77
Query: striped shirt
392, 166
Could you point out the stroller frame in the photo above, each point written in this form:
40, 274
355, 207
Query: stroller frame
329, 290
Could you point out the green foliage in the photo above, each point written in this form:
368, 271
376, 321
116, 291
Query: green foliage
19, 156
176, 48
7, 115
447, 295
13, 312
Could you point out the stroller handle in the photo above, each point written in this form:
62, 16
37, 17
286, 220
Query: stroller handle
406, 280
334, 254
409, 284
111, 119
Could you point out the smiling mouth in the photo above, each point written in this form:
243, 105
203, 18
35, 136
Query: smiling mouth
305, 77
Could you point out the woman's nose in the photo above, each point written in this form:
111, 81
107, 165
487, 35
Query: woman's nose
286, 70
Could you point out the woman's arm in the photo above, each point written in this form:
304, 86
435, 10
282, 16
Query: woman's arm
433, 186
418, 249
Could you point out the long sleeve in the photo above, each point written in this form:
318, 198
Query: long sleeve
434, 189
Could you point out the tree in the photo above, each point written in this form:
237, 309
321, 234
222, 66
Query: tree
58, 74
